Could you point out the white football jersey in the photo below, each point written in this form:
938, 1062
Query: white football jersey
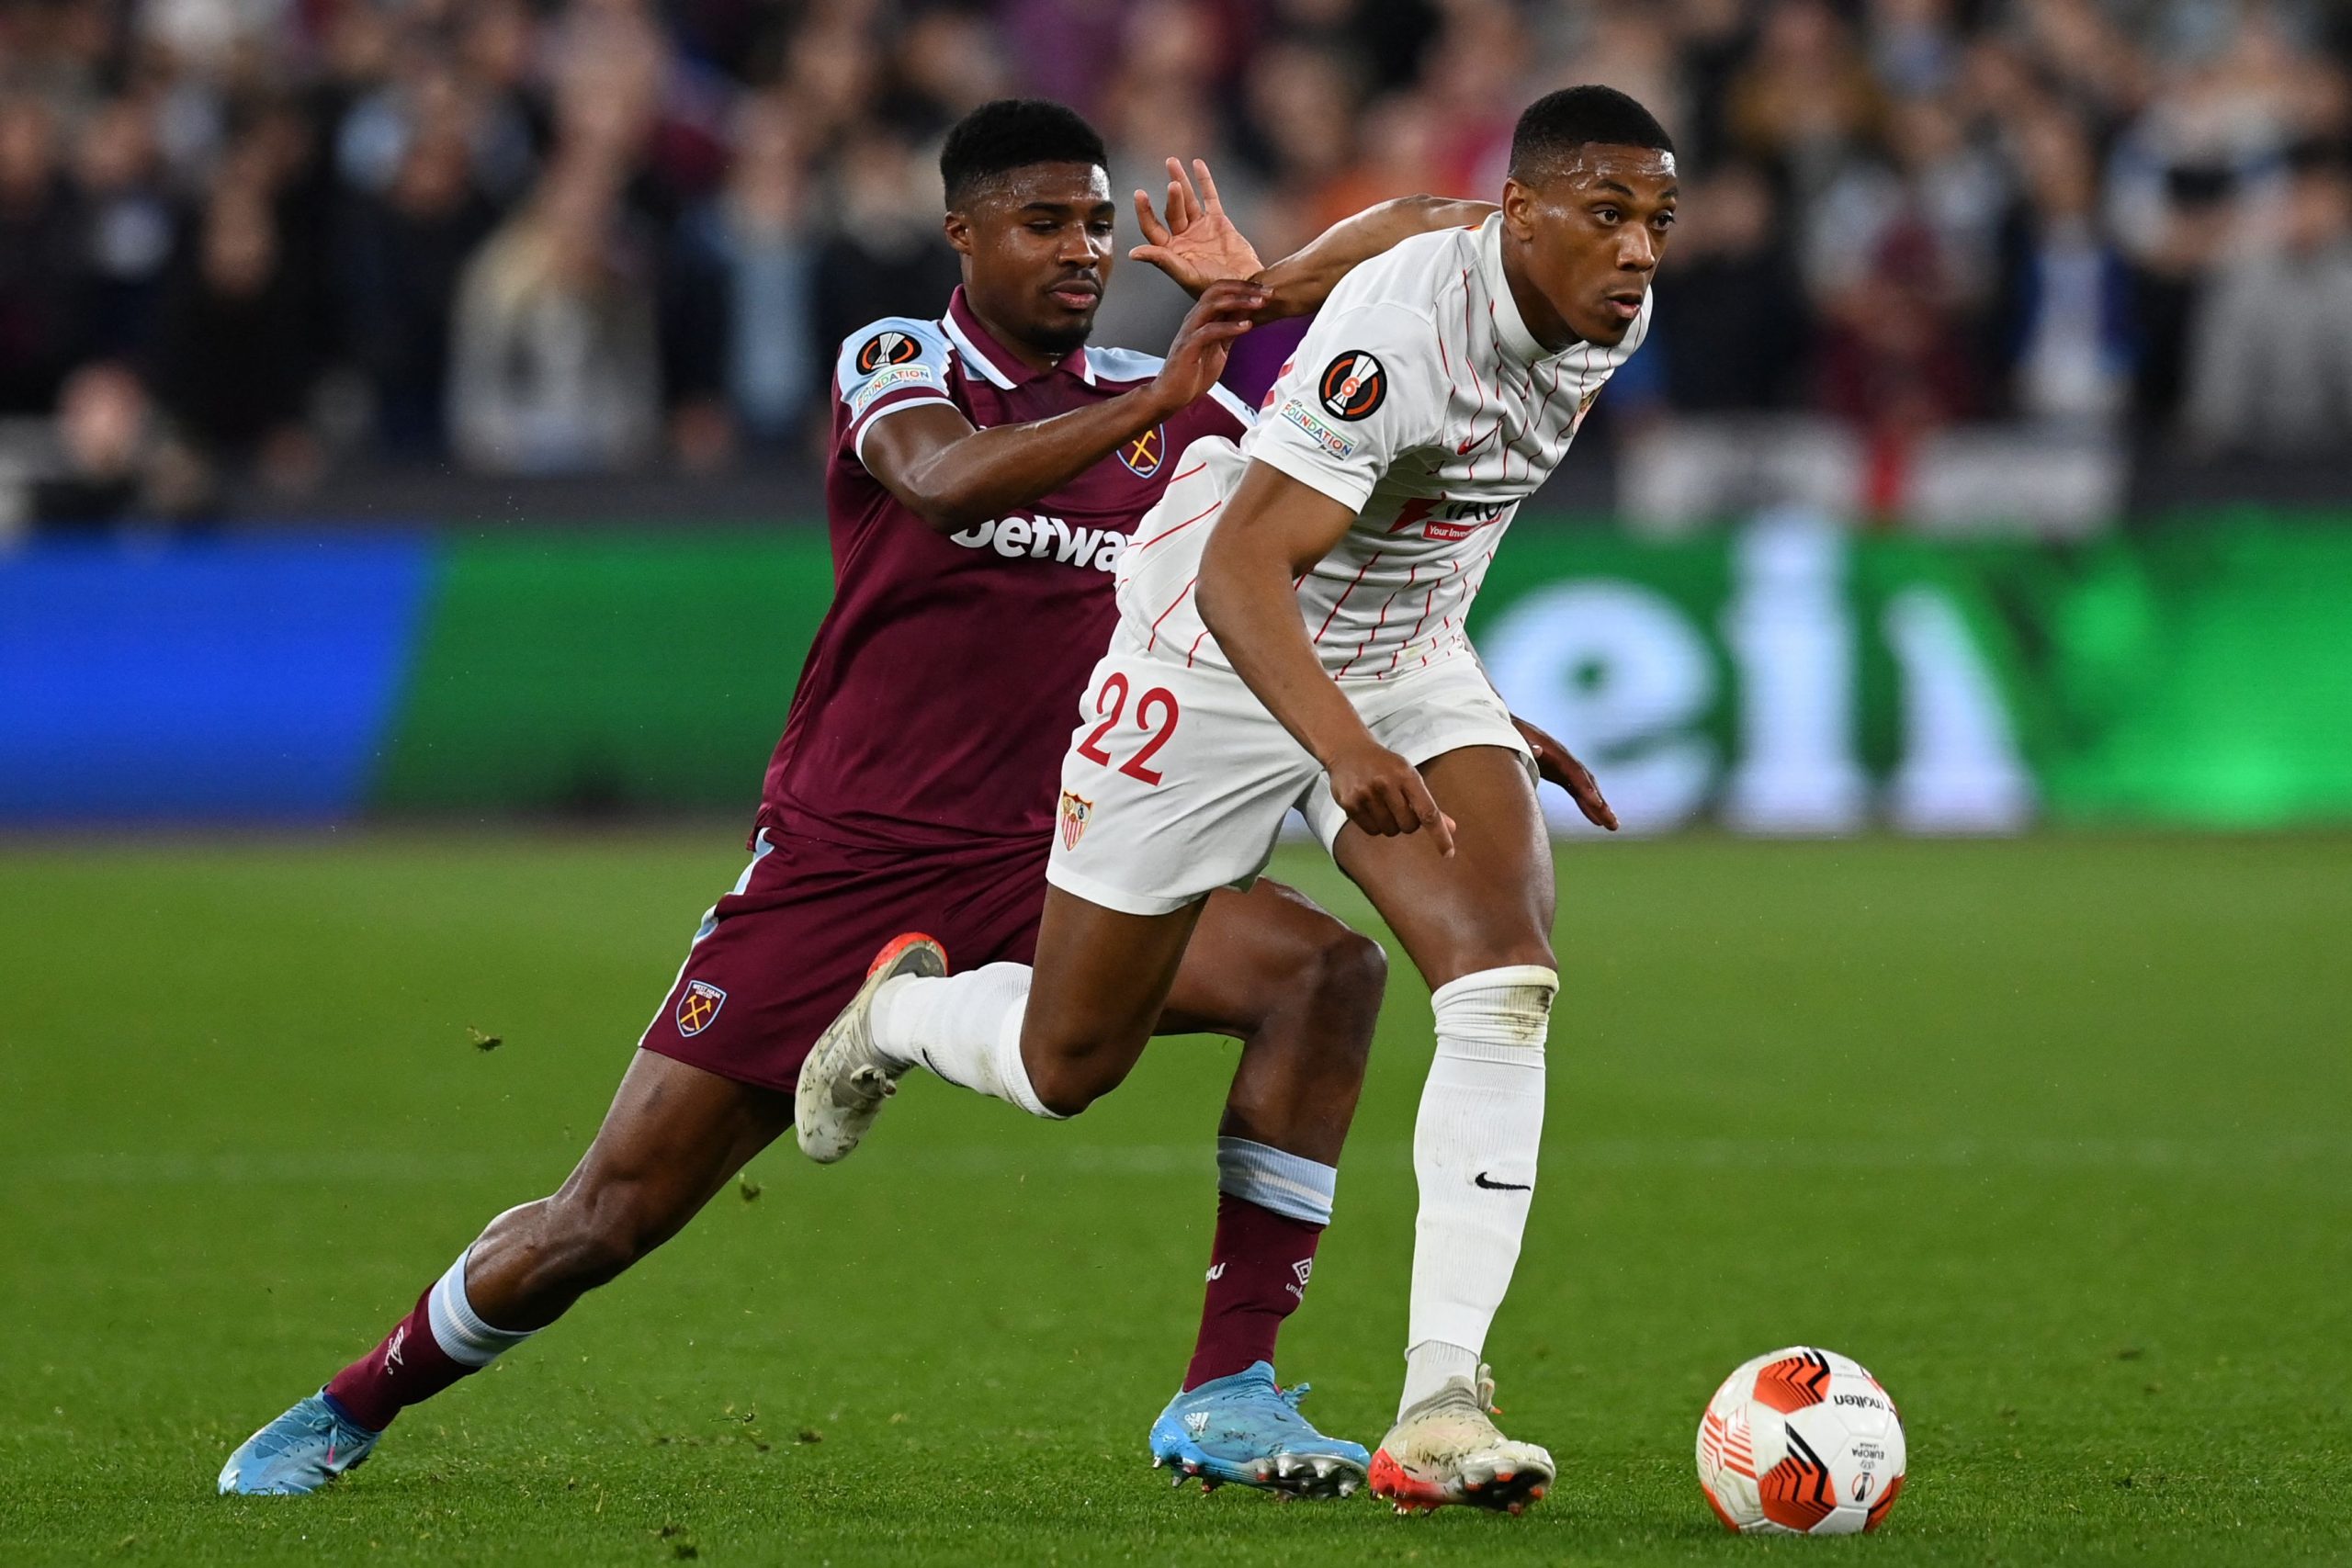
1419, 400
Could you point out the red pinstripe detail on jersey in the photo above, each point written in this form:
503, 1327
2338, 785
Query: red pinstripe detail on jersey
1502, 384
1427, 601
1196, 648
1480, 581
1342, 599
1180, 598
1475, 382
1468, 361
1559, 368
1188, 473
1379, 622
1179, 527
1503, 365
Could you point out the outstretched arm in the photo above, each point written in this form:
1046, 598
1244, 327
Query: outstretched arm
1302, 280
1198, 244
1273, 531
953, 476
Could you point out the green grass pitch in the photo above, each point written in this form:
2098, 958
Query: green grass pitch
2052, 1134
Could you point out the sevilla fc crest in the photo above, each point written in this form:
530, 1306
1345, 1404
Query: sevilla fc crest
1142, 455
698, 1006
1076, 813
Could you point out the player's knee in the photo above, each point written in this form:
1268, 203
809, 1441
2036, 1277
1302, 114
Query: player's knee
1076, 1080
594, 1238
1345, 981
1064, 1092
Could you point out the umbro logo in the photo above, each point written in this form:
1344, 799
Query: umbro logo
1481, 1179
1217, 1272
392, 1351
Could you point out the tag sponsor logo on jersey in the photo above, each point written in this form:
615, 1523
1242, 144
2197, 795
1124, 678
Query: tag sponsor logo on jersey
1076, 812
699, 1007
1323, 436
1142, 455
886, 348
896, 376
1046, 538
1450, 521
1352, 385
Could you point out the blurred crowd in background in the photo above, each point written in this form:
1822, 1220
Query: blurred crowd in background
261, 241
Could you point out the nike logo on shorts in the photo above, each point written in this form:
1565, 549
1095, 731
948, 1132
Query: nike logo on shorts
1480, 1180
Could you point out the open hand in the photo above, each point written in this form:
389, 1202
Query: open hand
1197, 357
1198, 243
1558, 765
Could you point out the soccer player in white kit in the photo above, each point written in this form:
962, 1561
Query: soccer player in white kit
1292, 634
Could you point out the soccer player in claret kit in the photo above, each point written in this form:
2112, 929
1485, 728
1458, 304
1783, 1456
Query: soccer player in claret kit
988, 469
1291, 633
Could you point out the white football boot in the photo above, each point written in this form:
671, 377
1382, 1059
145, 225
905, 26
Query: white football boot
1447, 1448
845, 1082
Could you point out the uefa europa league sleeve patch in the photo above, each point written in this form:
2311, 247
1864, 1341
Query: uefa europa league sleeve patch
885, 349
1352, 385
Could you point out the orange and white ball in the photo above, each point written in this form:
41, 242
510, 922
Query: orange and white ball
1800, 1442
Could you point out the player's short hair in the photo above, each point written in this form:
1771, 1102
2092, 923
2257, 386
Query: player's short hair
1013, 133
1557, 124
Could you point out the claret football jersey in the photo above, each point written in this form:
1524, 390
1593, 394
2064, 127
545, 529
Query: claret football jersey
939, 693
1420, 401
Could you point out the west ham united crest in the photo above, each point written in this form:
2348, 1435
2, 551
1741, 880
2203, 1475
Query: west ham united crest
1142, 455
698, 1006
1076, 813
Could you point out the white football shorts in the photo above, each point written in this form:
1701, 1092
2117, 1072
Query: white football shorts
1178, 779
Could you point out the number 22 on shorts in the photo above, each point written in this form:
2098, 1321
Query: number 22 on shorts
1156, 715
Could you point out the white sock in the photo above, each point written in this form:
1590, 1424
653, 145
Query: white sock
1474, 1152
463, 1337
1428, 1367
966, 1027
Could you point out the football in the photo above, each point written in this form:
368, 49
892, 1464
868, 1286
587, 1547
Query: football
1800, 1442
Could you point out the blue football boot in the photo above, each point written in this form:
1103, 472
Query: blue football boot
1244, 1429
300, 1451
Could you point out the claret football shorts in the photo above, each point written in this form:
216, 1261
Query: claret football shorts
1178, 779
780, 954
